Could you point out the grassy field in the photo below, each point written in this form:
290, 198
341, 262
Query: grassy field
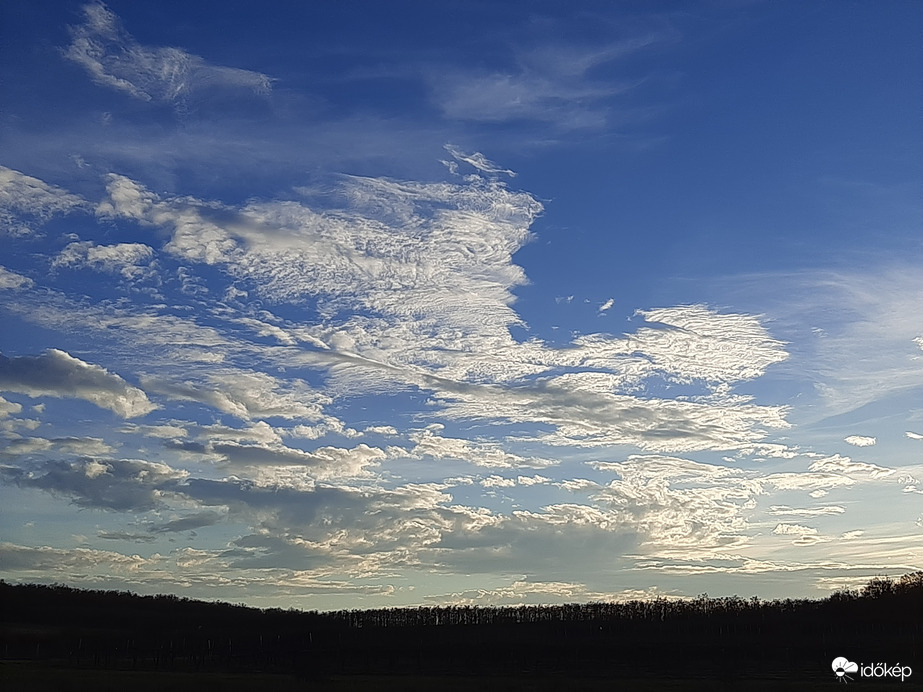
30, 677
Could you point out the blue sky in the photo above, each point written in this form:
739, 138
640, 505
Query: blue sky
383, 304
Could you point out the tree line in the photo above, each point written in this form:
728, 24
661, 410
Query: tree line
71, 627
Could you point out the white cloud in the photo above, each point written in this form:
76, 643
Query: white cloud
608, 304
913, 435
27, 202
794, 530
58, 374
497, 482
521, 592
389, 430
246, 394
117, 484
827, 473
167, 432
699, 343
860, 440
817, 483
806, 511
130, 260
677, 502
865, 324
846, 466
582, 417
116, 60
532, 480
260, 433
83, 446
42, 561
478, 160
275, 462
8, 407
12, 280
147, 331
578, 485
432, 264
485, 454
548, 85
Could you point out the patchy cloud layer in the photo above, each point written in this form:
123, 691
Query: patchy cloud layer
404, 287
394, 382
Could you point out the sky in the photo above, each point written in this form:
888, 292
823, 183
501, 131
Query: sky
359, 304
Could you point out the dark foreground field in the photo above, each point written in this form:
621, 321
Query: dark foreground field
55, 637
31, 677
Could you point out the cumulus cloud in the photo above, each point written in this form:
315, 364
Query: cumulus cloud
115, 484
806, 534
497, 482
323, 463
26, 202
552, 541
12, 280
305, 526
116, 60
860, 440
58, 374
413, 287
8, 407
675, 502
130, 260
66, 445
793, 529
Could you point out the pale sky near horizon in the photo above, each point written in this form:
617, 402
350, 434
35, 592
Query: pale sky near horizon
357, 304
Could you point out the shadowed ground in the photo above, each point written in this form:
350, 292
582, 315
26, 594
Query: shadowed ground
55, 637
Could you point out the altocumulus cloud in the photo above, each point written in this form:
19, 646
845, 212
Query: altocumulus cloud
58, 374
114, 484
26, 203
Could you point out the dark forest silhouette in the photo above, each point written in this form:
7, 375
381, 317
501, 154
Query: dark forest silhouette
722, 637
